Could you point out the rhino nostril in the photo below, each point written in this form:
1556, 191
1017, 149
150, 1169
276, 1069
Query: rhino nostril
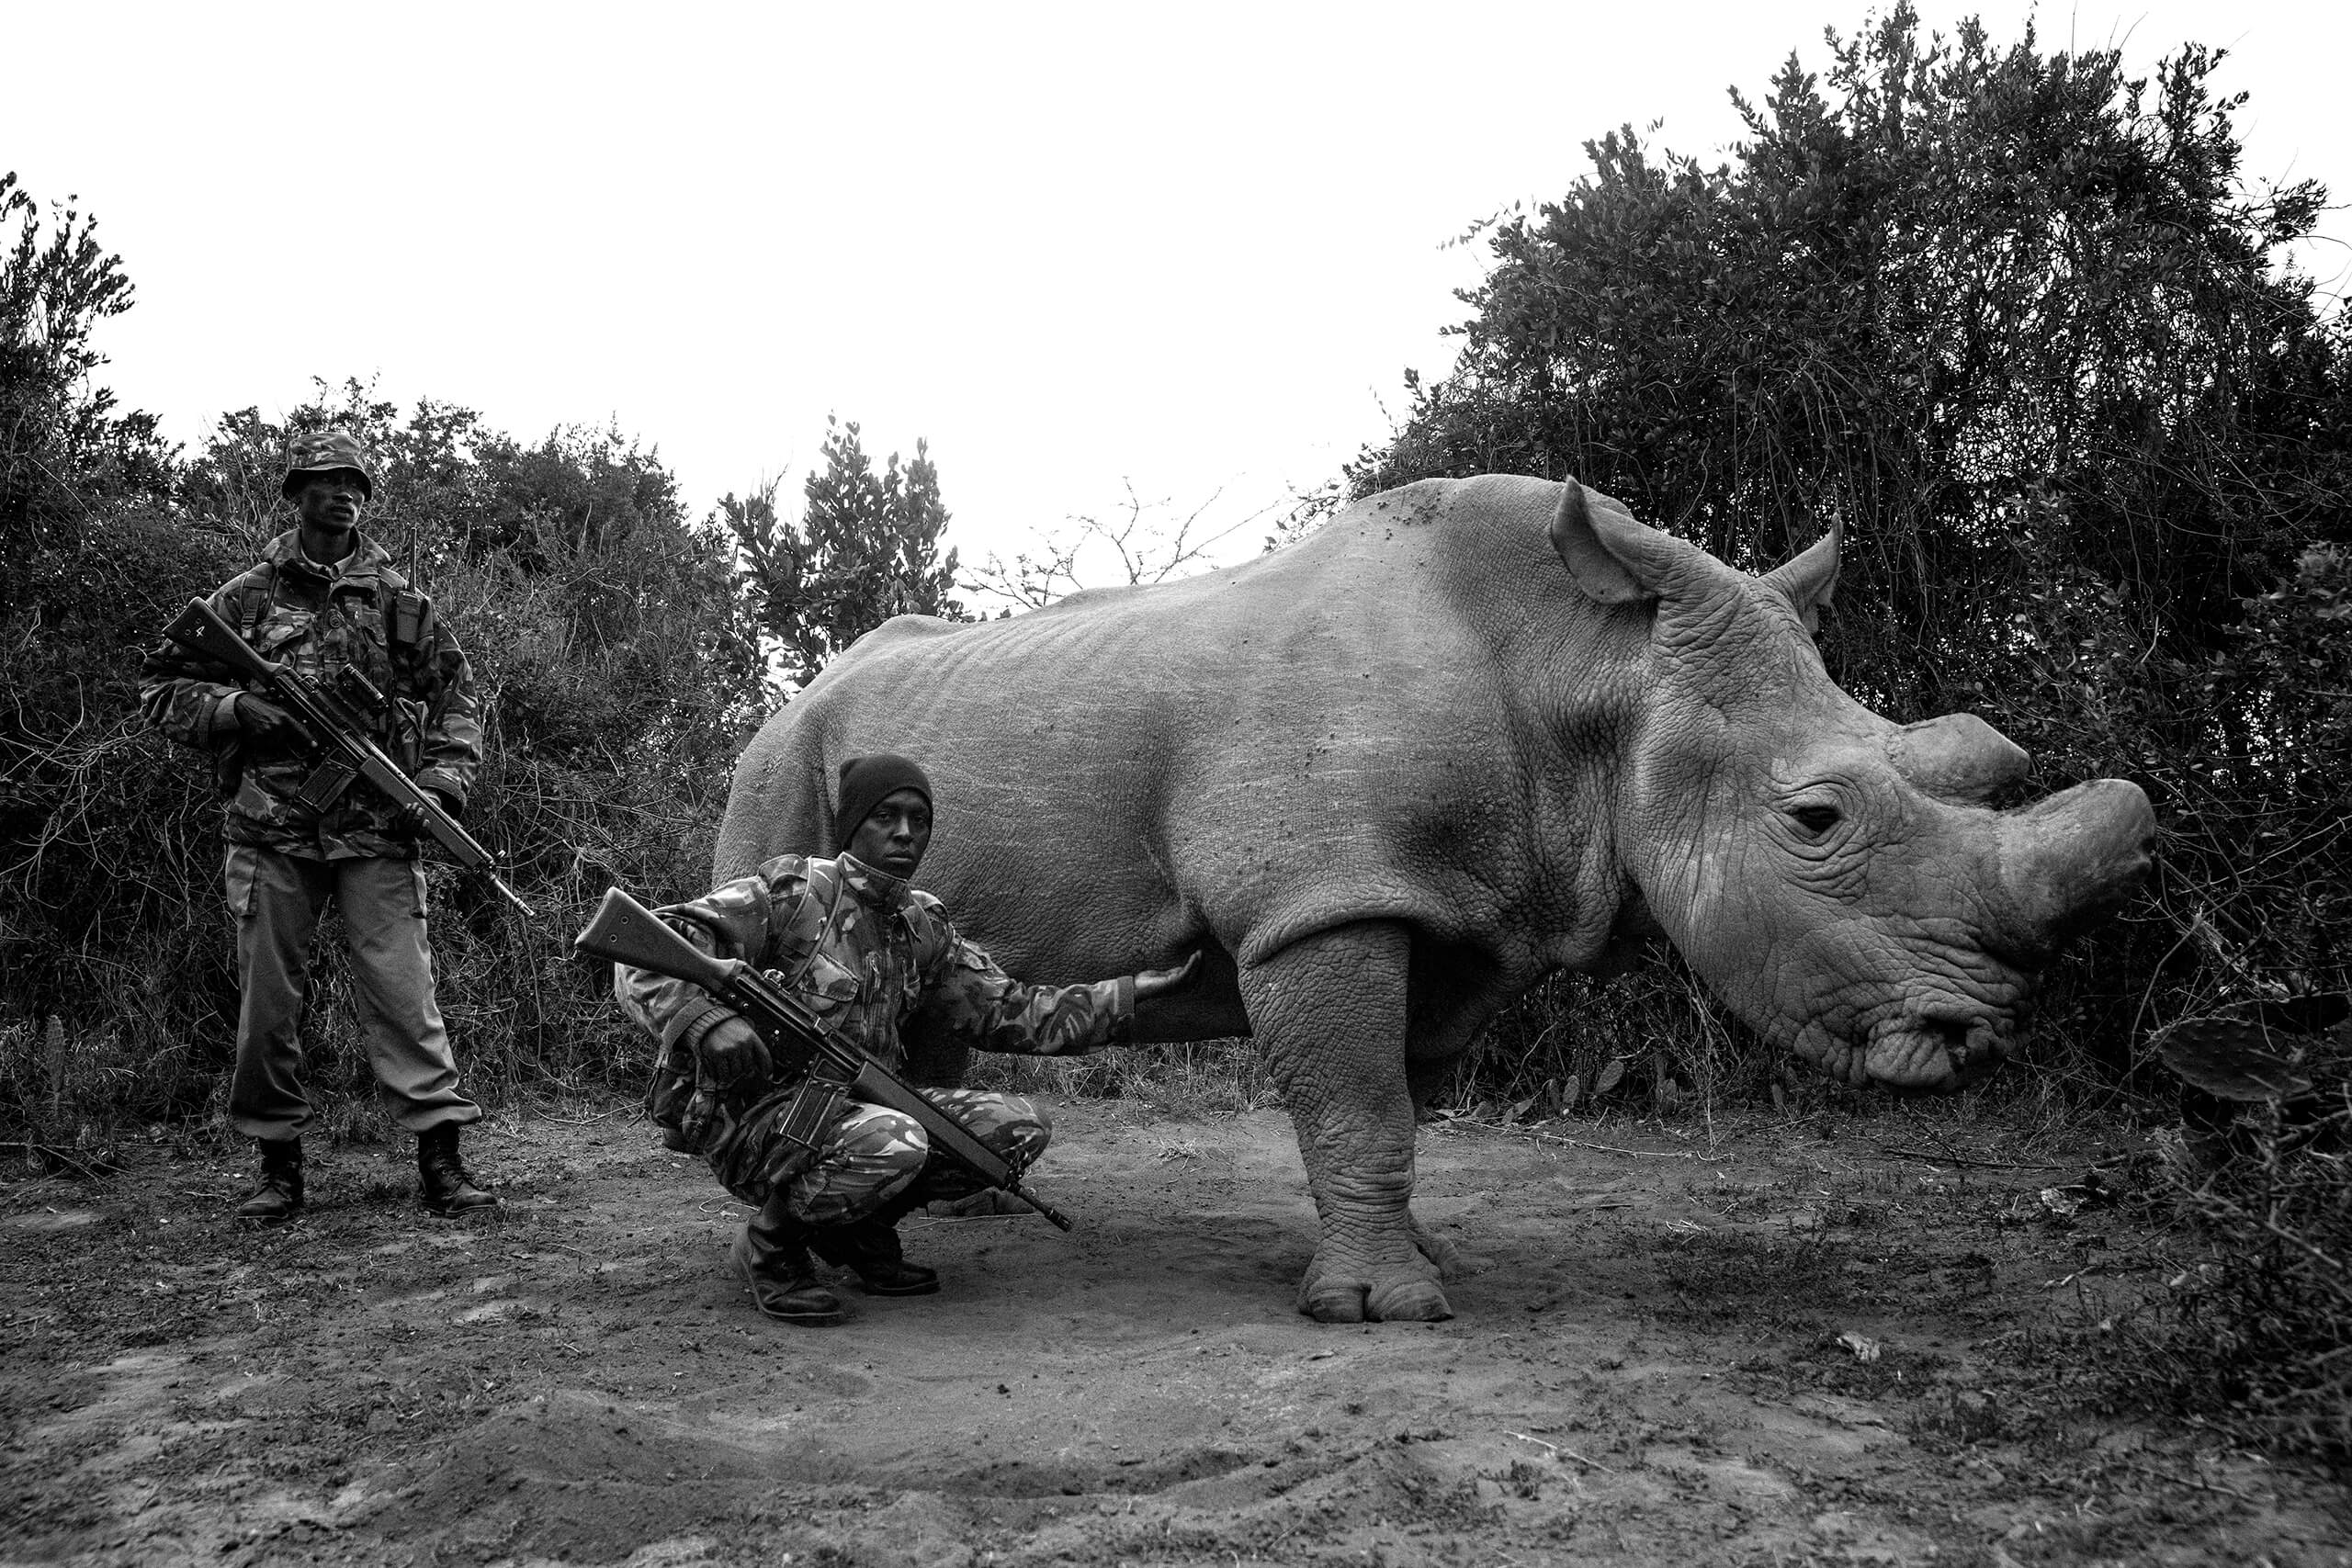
1971, 1044
1954, 1032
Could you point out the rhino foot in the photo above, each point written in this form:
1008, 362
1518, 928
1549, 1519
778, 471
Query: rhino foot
1383, 1293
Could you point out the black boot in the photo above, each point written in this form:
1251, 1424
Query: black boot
280, 1197
772, 1257
870, 1248
444, 1185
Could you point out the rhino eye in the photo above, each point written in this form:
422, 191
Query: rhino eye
1816, 819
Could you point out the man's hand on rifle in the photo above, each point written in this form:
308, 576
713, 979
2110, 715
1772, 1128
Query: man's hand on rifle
733, 1050
409, 820
266, 726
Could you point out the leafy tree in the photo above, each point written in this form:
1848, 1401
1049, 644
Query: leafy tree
605, 625
2020, 320
64, 451
618, 676
867, 549
1968, 273
427, 463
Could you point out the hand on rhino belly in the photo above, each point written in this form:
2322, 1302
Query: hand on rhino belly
1463, 735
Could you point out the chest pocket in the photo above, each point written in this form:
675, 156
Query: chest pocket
832, 988
367, 621
283, 628
358, 635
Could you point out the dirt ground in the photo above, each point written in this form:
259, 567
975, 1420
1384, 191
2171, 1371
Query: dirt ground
1810, 1341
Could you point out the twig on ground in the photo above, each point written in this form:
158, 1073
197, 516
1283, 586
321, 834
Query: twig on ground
1614, 1149
51, 1151
1557, 1451
1934, 1159
2199, 1483
1799, 1120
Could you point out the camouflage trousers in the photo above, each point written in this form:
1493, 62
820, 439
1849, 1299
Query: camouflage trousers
871, 1154
277, 900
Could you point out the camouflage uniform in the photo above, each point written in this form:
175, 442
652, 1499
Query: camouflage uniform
879, 961
285, 861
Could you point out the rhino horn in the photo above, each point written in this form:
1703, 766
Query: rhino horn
1617, 560
2070, 859
1957, 757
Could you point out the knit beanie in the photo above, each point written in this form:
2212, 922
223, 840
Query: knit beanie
865, 782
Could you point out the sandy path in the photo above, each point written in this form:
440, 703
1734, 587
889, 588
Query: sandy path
1647, 1368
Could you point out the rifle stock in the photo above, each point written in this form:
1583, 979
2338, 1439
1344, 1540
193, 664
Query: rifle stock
334, 726
626, 932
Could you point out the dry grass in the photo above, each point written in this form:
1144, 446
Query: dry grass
2252, 1335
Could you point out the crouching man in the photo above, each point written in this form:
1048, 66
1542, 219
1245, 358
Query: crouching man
873, 957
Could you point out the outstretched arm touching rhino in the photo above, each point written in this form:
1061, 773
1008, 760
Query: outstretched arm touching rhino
846, 962
1467, 734
731, 1049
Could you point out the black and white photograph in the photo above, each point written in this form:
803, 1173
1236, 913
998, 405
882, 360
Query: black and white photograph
1299, 786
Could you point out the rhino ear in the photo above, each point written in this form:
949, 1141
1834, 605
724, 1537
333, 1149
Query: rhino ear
1809, 580
1613, 559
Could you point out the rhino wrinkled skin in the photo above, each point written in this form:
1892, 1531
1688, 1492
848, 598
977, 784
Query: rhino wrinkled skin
1467, 733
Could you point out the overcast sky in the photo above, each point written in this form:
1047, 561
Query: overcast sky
1192, 248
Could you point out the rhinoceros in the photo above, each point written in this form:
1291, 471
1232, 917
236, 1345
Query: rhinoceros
1467, 733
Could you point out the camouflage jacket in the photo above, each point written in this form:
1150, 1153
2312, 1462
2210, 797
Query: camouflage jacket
875, 958
359, 613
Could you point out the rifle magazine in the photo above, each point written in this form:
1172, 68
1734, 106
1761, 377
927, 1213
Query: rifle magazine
325, 785
810, 1115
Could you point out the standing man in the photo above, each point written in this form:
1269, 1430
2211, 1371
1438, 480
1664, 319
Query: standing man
325, 598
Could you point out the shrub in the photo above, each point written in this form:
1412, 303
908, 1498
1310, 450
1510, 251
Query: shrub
616, 675
2020, 321
2254, 1337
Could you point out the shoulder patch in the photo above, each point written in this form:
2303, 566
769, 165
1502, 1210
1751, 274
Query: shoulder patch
927, 923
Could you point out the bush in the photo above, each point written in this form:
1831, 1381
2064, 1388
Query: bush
2018, 320
617, 678
2255, 1337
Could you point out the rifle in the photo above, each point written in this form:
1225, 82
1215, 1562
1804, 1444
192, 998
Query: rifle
339, 730
626, 932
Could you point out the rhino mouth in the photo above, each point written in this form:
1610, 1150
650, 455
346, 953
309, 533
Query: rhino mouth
1936, 1053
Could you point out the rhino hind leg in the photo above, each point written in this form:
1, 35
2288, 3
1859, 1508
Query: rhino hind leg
1329, 1014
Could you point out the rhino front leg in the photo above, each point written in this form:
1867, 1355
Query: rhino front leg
1329, 1014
